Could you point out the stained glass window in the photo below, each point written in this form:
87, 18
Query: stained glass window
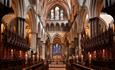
61, 14
56, 13
56, 49
52, 14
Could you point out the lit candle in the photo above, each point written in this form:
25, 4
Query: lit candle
81, 58
103, 53
90, 58
11, 53
77, 57
33, 58
26, 57
20, 53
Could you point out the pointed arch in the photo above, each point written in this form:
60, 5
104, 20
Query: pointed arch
56, 13
57, 27
61, 5
30, 16
62, 26
52, 26
57, 38
47, 27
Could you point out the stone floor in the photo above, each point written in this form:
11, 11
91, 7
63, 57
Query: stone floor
57, 67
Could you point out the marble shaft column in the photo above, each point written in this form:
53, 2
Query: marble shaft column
70, 45
43, 51
33, 42
20, 26
76, 45
67, 52
94, 23
51, 51
79, 46
38, 48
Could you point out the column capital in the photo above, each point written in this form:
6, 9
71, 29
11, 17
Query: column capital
38, 38
93, 18
21, 18
20, 26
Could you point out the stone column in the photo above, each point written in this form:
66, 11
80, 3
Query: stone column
73, 48
76, 45
51, 51
33, 42
38, 48
70, 45
76, 48
67, 52
79, 46
92, 29
94, 22
20, 26
46, 51
43, 50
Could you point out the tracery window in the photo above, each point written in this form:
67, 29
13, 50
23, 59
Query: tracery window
52, 14
61, 14
56, 49
56, 13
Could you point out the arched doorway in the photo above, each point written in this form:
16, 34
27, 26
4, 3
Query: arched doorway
57, 50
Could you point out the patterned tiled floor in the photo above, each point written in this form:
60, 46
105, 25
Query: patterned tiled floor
57, 67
